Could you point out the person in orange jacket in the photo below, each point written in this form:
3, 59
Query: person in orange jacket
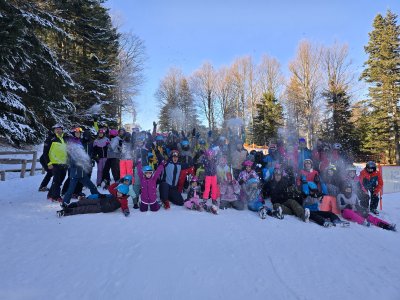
372, 185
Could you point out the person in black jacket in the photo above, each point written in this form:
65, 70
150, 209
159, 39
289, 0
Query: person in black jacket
277, 190
91, 205
44, 160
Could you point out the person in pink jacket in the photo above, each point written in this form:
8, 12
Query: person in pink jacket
230, 190
148, 182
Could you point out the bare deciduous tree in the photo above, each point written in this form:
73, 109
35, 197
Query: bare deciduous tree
306, 75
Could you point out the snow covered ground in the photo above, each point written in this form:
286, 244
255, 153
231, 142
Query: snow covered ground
181, 254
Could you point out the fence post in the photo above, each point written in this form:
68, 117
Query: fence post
33, 166
23, 168
3, 175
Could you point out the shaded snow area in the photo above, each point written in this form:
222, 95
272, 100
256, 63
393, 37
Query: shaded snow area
182, 254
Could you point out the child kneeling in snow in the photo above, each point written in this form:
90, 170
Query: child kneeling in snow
353, 211
230, 190
194, 200
256, 203
148, 182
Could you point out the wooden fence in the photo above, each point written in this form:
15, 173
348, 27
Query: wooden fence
17, 161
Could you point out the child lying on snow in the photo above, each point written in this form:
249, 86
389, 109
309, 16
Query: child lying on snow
353, 211
100, 203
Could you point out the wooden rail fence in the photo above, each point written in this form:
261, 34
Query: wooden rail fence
17, 161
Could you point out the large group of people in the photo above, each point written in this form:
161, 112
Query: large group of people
208, 173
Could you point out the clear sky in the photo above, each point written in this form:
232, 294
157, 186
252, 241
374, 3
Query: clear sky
184, 33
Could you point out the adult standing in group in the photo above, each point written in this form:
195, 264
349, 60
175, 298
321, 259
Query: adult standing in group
303, 153
169, 181
44, 161
55, 152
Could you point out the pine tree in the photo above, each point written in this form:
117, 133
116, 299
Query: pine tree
269, 117
32, 82
382, 71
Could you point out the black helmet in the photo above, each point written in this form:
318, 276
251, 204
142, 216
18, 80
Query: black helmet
370, 167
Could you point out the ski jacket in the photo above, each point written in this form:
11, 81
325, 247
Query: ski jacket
277, 190
306, 176
171, 173
55, 152
149, 185
345, 202
244, 176
229, 190
100, 147
371, 182
113, 191
221, 173
109, 204
114, 148
210, 166
194, 192
312, 203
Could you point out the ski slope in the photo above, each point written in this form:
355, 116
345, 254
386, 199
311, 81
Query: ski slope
181, 254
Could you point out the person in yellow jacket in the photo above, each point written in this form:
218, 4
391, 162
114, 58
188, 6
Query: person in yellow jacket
55, 152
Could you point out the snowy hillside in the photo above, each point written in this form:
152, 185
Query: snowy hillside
181, 254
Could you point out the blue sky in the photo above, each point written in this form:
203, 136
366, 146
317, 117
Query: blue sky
185, 34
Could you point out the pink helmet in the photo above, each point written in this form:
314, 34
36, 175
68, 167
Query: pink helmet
113, 132
247, 163
194, 179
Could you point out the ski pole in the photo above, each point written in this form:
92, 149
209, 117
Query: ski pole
380, 193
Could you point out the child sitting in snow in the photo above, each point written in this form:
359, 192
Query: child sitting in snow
244, 176
148, 182
222, 170
353, 211
193, 200
256, 203
230, 190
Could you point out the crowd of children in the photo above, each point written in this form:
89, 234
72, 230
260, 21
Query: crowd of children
212, 172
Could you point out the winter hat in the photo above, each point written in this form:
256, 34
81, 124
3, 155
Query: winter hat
194, 179
123, 189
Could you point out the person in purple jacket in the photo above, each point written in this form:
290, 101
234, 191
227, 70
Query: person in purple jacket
148, 182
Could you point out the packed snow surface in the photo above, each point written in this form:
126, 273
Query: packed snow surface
182, 254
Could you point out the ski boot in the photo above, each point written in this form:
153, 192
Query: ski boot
60, 213
341, 223
126, 212
374, 211
43, 189
278, 213
263, 212
366, 223
327, 224
166, 205
306, 215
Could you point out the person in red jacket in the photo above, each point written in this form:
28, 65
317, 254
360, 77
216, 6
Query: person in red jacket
120, 191
372, 185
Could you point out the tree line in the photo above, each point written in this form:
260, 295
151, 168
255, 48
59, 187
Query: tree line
63, 61
318, 98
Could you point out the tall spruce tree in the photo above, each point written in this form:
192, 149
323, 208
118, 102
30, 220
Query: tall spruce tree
32, 82
269, 117
382, 71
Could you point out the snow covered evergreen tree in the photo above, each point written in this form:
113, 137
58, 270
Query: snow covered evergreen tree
32, 82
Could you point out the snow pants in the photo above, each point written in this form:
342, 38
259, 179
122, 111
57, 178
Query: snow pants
59, 172
254, 205
356, 216
320, 217
152, 207
125, 167
85, 206
171, 193
85, 180
113, 164
291, 207
182, 178
100, 167
211, 184
329, 203
370, 202
237, 204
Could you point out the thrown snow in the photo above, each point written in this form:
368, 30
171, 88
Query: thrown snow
181, 254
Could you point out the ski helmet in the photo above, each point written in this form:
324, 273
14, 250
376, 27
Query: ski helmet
174, 153
147, 169
370, 166
113, 132
185, 145
202, 142
337, 146
127, 177
58, 125
307, 160
123, 189
248, 163
102, 131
